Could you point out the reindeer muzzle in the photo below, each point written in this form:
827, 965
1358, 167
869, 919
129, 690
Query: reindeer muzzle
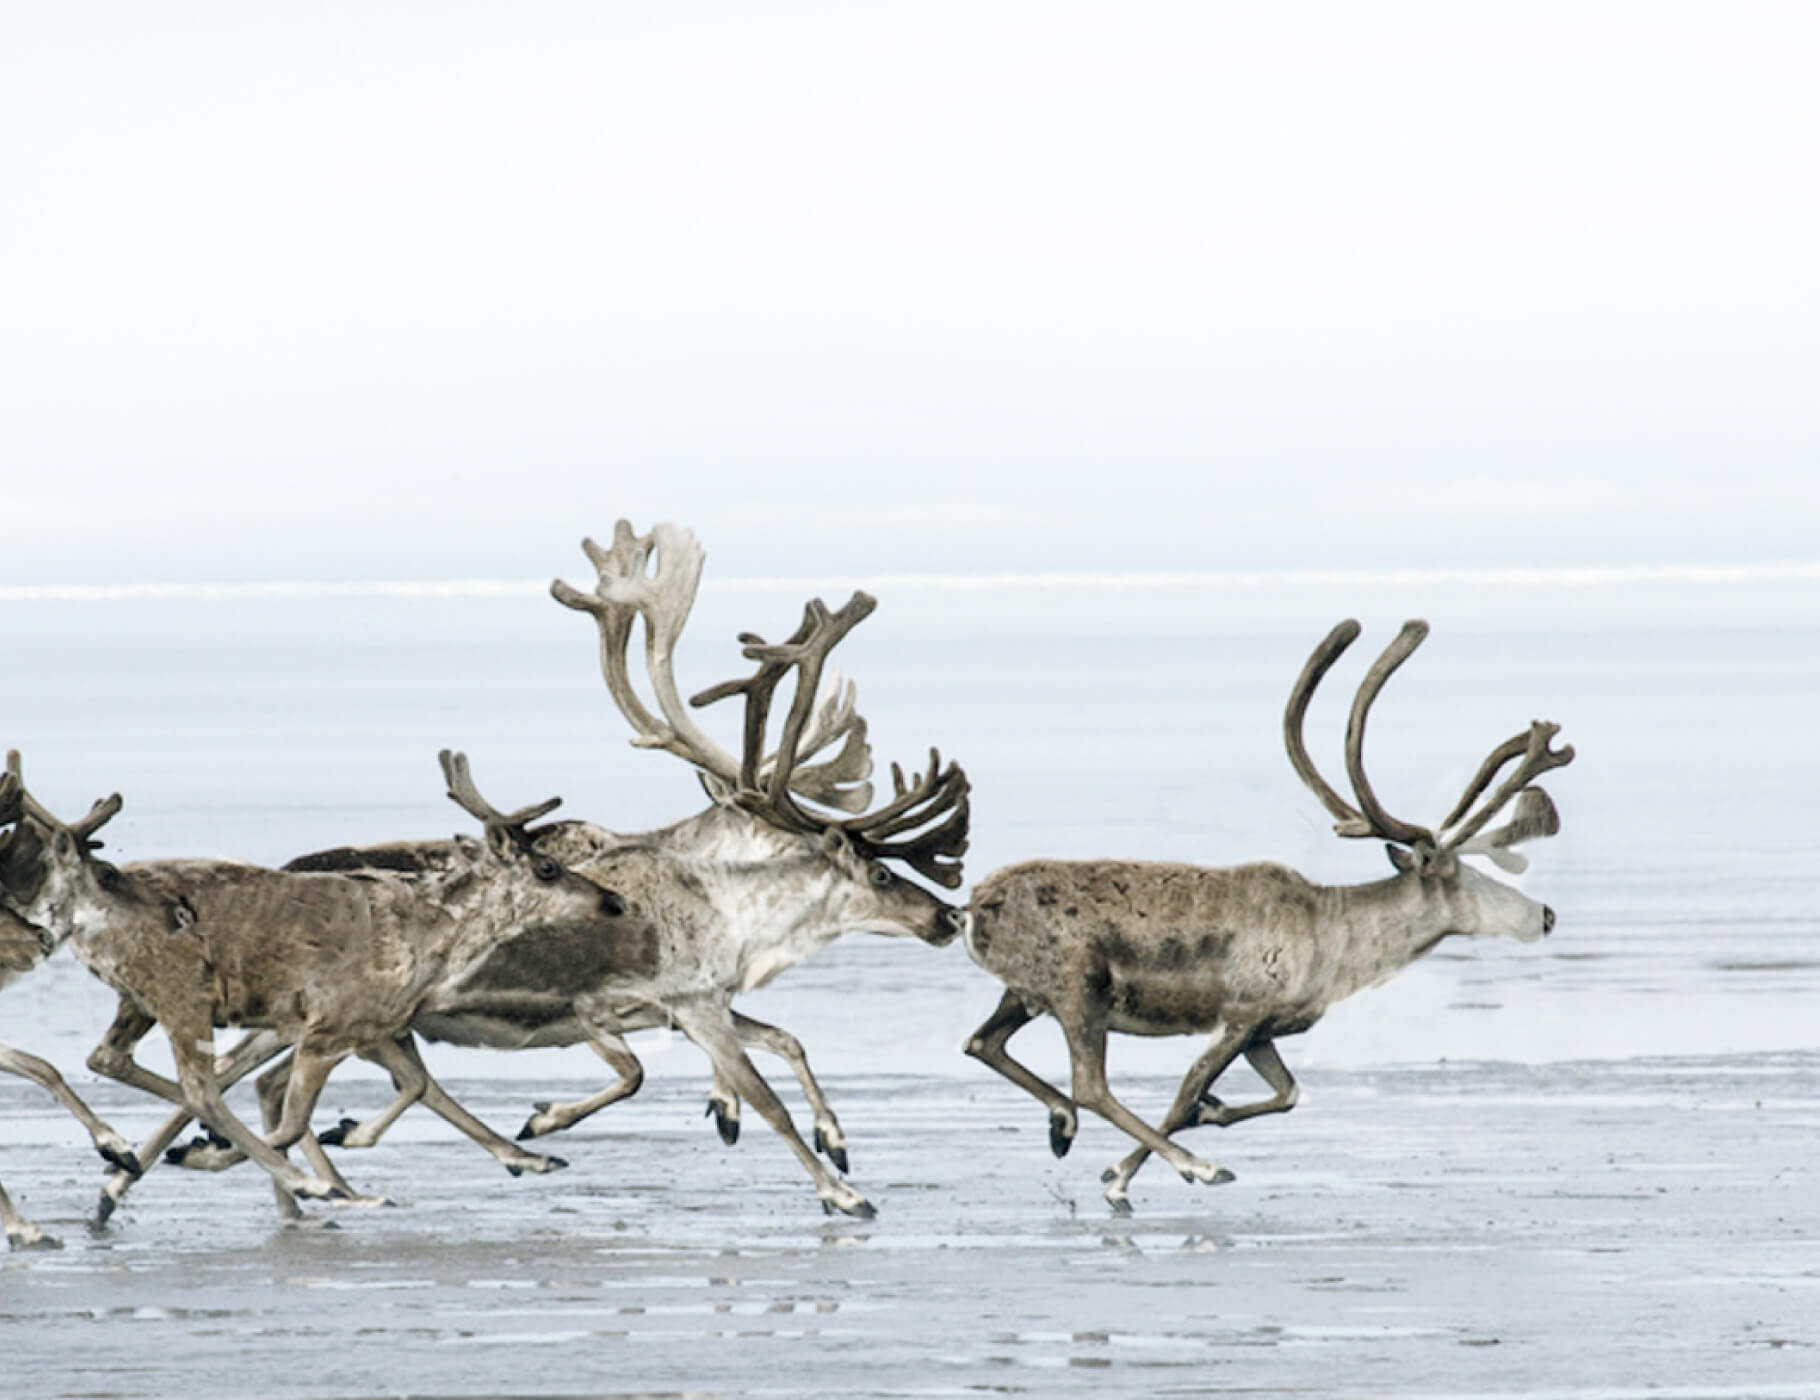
1548, 920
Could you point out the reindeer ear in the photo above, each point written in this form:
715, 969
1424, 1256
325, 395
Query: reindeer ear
1400, 856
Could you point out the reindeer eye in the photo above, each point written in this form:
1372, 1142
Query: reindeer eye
107, 876
882, 877
546, 870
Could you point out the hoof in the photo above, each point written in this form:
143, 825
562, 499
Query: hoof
104, 1209
835, 1152
127, 1161
533, 1127
1121, 1205
515, 1169
1206, 1173
556, 1164
31, 1237
337, 1135
725, 1123
859, 1208
1061, 1134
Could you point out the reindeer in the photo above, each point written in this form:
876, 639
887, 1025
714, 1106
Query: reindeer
22, 947
1248, 953
768, 874
334, 962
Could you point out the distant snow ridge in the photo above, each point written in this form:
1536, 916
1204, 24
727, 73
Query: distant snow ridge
1580, 577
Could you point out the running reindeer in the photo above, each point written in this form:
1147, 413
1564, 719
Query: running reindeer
1248, 953
22, 947
333, 962
784, 861
768, 874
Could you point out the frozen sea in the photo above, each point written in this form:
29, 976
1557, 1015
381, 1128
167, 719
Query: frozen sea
1582, 1167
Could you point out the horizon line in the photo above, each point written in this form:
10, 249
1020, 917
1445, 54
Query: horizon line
1568, 577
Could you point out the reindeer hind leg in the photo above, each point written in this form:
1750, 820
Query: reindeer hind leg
987, 1045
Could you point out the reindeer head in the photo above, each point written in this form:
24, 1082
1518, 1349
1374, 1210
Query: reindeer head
536, 885
49, 876
1477, 903
819, 804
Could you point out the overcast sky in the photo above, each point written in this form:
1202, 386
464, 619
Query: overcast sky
378, 290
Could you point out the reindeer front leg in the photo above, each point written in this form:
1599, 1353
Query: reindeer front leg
402, 1060
110, 1144
987, 1045
194, 1052
711, 1026
552, 1118
1086, 1033
828, 1136
1186, 1112
20, 1232
253, 1050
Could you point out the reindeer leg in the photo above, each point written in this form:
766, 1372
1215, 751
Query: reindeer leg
828, 1136
110, 1144
402, 1057
1263, 1058
113, 1057
552, 1118
252, 1051
987, 1045
711, 1027
1186, 1112
723, 1108
195, 1057
1086, 1034
310, 1070
20, 1232
410, 1079
272, 1087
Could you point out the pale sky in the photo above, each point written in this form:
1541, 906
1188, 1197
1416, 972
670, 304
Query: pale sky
376, 291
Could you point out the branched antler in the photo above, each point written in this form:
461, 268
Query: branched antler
84, 830
900, 830
630, 587
465, 795
1535, 814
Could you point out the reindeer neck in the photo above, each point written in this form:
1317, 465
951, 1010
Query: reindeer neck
1385, 924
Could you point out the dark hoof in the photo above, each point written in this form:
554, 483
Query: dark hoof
1120, 1207
127, 1162
542, 1106
176, 1156
525, 1134
866, 1211
338, 1134
515, 1169
836, 1155
1109, 1173
724, 1123
336, 1193
1061, 1138
558, 1164
104, 1209
1221, 1177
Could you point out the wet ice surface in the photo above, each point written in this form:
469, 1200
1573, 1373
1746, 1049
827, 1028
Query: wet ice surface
1579, 1168
1599, 1229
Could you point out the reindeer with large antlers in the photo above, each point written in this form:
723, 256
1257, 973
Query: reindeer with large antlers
1249, 953
335, 962
785, 860
22, 947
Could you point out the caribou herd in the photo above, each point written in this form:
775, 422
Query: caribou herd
537, 932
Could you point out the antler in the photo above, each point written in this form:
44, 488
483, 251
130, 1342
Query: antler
465, 795
771, 788
1538, 758
1393, 656
84, 830
11, 806
1320, 661
1535, 814
628, 589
